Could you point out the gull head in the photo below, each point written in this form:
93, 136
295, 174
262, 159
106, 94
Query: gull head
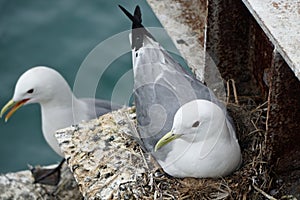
37, 85
195, 121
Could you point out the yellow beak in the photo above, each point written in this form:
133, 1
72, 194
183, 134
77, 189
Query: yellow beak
169, 137
14, 105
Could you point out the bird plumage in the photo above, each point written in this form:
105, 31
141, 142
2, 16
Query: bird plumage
161, 81
161, 87
59, 107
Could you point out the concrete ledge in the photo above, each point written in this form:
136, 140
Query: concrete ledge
280, 20
104, 158
20, 186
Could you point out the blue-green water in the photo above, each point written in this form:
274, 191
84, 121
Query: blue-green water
60, 34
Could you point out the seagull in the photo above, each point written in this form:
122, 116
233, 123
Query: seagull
59, 107
202, 144
179, 120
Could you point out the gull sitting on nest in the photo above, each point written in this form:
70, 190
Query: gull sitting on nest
180, 121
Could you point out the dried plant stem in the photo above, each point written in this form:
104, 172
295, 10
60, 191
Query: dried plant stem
236, 101
263, 193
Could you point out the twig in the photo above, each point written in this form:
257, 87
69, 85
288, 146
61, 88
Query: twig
263, 192
234, 92
144, 159
228, 92
259, 107
236, 101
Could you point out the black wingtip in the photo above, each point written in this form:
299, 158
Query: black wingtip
138, 14
136, 19
126, 12
138, 30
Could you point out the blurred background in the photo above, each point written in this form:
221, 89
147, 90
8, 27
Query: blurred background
61, 35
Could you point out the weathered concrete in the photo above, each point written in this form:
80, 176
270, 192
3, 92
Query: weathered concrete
184, 21
283, 122
104, 158
20, 186
238, 49
280, 21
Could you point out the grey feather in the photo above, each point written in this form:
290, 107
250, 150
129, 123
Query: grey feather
98, 107
161, 87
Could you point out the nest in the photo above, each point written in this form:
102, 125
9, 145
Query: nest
249, 182
252, 181
126, 172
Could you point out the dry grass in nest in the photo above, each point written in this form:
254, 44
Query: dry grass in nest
249, 182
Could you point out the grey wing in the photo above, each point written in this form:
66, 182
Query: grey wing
154, 112
161, 87
98, 107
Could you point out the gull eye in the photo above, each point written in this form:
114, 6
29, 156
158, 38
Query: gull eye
196, 124
30, 91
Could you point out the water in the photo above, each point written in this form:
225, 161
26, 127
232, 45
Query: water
60, 34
